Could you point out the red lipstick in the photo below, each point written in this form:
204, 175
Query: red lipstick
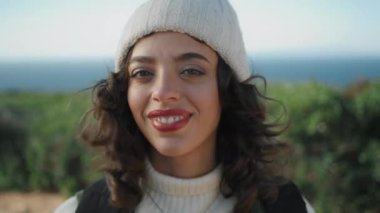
169, 120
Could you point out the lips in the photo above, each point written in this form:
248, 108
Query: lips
169, 120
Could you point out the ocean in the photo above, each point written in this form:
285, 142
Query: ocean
74, 75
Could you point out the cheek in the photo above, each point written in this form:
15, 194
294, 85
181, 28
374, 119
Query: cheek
136, 100
208, 97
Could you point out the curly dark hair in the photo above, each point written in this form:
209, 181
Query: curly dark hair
246, 145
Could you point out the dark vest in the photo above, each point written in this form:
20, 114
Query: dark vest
95, 199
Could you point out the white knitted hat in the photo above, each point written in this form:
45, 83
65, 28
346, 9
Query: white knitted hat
212, 21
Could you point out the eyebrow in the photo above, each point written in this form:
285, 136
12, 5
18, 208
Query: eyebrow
182, 57
191, 55
141, 59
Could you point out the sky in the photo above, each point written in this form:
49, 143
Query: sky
44, 29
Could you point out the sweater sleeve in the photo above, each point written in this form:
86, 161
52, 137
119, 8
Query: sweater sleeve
68, 206
309, 208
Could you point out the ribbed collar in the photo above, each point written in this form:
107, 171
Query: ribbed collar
183, 187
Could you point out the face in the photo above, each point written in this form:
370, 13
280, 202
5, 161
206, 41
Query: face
173, 94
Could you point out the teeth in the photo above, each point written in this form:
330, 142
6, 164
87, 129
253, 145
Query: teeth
170, 119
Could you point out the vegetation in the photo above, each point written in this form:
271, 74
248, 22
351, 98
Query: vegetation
38, 145
335, 134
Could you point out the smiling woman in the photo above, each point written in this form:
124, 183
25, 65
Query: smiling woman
173, 96
181, 127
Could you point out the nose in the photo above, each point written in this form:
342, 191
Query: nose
166, 87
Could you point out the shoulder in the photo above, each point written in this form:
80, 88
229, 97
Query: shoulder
289, 199
95, 198
98, 188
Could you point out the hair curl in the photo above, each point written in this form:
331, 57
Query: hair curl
246, 145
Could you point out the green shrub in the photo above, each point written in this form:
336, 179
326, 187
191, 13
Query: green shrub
38, 142
336, 135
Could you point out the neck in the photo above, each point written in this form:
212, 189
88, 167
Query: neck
186, 166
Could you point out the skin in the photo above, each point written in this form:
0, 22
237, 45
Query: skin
169, 70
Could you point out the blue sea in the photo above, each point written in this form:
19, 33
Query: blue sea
74, 75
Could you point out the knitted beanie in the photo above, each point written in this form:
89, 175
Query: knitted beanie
212, 21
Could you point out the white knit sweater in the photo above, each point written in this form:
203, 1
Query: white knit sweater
184, 195
175, 195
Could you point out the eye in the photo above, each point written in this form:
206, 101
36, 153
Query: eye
192, 72
141, 74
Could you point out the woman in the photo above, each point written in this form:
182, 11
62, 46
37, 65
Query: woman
182, 128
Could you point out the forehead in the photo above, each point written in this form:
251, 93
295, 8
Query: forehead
170, 44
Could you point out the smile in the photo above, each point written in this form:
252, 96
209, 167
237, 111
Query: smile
169, 120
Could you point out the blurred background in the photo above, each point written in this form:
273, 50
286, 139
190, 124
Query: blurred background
321, 60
